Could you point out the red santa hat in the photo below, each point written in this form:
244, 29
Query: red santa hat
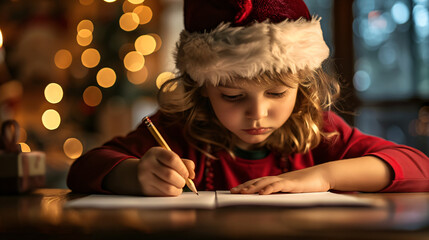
225, 39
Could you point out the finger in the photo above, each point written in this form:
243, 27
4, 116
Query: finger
169, 176
152, 185
243, 186
173, 161
271, 188
260, 184
168, 190
163, 189
190, 165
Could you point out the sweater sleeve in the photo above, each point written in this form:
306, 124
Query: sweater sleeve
410, 166
86, 174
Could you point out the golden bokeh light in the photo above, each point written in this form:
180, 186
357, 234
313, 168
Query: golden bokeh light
90, 58
134, 61
136, 1
164, 77
128, 7
86, 2
51, 119
63, 59
1, 39
145, 44
157, 39
106, 77
84, 41
24, 147
84, 33
138, 77
73, 148
144, 14
110, 1
53, 93
92, 96
85, 24
129, 21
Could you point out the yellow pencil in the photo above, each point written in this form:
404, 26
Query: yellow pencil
163, 143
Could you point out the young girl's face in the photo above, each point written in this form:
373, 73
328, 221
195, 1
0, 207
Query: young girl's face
252, 112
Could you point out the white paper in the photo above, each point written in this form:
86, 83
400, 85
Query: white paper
225, 198
210, 200
205, 200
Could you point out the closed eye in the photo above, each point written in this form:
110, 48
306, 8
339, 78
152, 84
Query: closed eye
277, 94
232, 98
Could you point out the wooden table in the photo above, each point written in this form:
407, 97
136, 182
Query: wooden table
41, 215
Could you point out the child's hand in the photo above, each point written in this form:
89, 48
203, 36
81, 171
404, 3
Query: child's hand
163, 173
313, 179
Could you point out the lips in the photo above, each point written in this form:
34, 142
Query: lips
256, 131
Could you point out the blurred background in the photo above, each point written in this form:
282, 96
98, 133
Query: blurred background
76, 73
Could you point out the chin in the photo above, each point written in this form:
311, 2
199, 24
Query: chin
254, 139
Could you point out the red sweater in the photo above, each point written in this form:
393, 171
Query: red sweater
410, 166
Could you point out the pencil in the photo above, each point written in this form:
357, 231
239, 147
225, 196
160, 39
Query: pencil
163, 143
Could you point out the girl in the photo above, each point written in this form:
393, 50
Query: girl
250, 113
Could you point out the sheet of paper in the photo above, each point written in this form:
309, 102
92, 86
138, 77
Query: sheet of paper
205, 200
210, 200
225, 198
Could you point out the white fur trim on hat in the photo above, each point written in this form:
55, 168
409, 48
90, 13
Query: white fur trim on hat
228, 52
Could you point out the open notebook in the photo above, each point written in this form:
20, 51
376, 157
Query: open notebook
211, 200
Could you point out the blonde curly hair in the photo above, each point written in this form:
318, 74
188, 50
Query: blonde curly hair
180, 99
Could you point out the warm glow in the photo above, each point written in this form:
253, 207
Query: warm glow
145, 44
157, 39
24, 147
86, 2
92, 96
128, 7
84, 33
134, 61
1, 39
136, 1
164, 77
51, 119
90, 57
129, 21
85, 24
53, 93
63, 59
73, 148
83, 41
138, 77
110, 1
106, 77
144, 14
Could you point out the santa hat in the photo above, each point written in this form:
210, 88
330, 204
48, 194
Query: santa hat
225, 39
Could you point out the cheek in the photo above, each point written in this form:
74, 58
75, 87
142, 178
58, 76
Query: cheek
226, 113
283, 110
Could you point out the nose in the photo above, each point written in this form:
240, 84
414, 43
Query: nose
257, 109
